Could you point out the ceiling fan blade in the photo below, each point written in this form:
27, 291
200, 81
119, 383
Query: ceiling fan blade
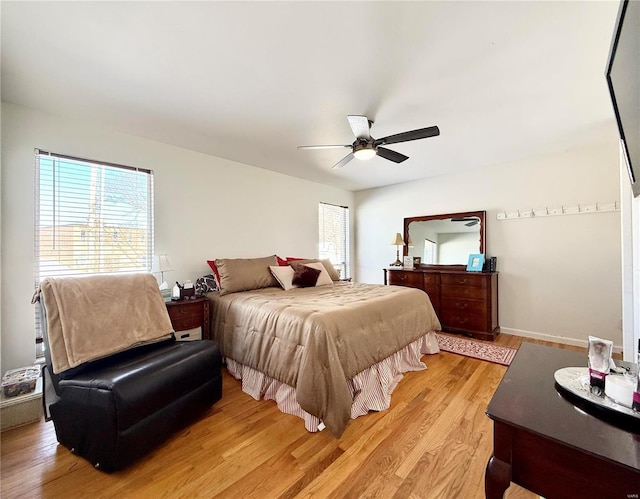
360, 126
421, 133
325, 147
343, 161
396, 157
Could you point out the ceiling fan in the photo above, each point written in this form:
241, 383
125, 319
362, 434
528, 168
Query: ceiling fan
471, 221
366, 147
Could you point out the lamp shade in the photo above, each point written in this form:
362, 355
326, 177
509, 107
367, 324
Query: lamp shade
161, 264
397, 241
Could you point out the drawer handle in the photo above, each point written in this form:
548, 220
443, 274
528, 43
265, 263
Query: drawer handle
403, 277
462, 280
461, 306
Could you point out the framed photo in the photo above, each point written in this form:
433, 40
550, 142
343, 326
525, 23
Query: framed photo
407, 263
476, 261
416, 262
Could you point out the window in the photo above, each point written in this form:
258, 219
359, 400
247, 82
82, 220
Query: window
334, 237
430, 248
90, 218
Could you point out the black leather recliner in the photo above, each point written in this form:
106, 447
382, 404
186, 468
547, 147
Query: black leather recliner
114, 410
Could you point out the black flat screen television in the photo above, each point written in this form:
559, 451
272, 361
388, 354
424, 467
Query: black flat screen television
623, 79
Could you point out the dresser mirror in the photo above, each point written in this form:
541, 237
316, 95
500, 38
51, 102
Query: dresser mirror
446, 239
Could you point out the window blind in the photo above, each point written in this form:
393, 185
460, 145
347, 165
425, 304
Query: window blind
91, 217
334, 237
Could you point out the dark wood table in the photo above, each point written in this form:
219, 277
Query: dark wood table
189, 314
551, 443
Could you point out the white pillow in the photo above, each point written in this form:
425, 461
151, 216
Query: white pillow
324, 278
284, 275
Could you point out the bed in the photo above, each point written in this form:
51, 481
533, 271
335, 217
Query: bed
327, 353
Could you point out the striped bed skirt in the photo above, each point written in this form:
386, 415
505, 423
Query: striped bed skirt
370, 389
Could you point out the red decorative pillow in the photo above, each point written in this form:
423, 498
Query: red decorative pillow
212, 264
282, 262
294, 259
305, 277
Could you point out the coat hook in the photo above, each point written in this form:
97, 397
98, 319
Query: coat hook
546, 209
562, 209
596, 206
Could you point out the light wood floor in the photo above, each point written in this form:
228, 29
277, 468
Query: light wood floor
433, 442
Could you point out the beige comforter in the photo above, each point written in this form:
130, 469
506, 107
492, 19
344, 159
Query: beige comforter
315, 339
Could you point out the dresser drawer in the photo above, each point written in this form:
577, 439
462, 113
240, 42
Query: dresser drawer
434, 298
431, 286
467, 280
431, 280
186, 315
468, 292
432, 290
459, 306
452, 319
402, 278
189, 334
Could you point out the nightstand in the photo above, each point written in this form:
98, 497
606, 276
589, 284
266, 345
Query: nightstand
189, 314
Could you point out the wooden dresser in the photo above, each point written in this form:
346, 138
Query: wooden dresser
465, 302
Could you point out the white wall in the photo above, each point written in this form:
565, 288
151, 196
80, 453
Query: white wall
559, 276
205, 208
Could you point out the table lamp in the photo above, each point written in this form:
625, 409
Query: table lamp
162, 265
397, 242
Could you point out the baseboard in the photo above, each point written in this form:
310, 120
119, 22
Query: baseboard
556, 339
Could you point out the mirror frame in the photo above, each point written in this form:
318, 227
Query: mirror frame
483, 230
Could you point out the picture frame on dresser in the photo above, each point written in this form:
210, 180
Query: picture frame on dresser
476, 262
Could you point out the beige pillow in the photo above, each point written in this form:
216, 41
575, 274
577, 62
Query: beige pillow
333, 273
284, 275
245, 274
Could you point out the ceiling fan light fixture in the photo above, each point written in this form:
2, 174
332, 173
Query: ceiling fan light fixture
366, 147
364, 152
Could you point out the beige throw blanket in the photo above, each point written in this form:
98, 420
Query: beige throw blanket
96, 316
315, 339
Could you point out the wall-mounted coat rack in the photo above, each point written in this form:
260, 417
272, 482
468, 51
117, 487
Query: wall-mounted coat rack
563, 210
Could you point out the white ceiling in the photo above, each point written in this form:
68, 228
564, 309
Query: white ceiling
250, 81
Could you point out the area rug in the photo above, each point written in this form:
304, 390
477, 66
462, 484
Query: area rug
482, 350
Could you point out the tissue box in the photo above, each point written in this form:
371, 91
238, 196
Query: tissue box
20, 381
